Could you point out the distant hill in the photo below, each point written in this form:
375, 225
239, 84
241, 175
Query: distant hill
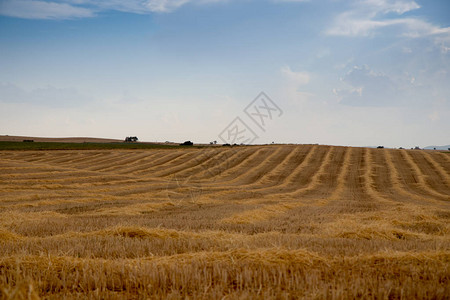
446, 147
12, 138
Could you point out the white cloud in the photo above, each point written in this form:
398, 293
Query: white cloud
418, 28
299, 78
366, 17
443, 43
294, 82
361, 86
387, 6
31, 9
165, 5
445, 49
278, 1
367, 88
70, 9
171, 5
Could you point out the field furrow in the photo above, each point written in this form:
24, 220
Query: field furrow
160, 160
433, 175
413, 176
226, 163
276, 221
260, 167
255, 157
401, 184
191, 165
306, 175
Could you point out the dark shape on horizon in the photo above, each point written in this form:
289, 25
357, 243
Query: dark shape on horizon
380, 147
131, 139
187, 143
28, 141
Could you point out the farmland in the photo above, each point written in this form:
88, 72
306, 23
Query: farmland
279, 221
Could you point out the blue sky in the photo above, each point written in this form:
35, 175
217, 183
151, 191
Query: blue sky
354, 72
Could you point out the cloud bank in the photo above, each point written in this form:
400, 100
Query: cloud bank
73, 9
367, 88
365, 18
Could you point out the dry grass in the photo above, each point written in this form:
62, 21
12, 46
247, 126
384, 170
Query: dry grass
272, 222
260, 214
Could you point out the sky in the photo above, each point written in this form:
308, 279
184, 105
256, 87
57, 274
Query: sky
353, 72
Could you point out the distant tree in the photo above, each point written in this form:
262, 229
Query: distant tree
131, 139
187, 143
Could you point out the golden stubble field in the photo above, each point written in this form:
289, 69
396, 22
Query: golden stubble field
263, 222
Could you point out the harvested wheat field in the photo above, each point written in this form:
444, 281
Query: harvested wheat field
307, 221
